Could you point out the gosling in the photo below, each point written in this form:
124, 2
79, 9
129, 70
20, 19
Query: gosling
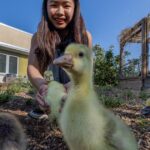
12, 136
56, 93
85, 123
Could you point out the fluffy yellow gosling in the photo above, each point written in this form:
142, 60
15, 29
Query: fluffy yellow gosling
85, 123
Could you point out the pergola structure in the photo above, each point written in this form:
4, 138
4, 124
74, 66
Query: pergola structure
139, 33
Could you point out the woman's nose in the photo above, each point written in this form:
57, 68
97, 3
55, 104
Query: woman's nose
60, 10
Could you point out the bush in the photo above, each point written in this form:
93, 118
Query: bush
128, 95
15, 88
6, 95
106, 67
144, 95
18, 85
29, 102
110, 102
21, 85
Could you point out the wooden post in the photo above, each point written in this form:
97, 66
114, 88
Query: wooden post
144, 49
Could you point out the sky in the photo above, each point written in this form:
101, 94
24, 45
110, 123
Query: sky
104, 19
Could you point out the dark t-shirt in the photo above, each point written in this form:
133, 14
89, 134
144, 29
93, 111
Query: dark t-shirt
58, 73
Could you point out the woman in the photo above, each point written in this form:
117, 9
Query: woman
60, 25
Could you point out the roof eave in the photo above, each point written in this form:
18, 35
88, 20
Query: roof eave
14, 48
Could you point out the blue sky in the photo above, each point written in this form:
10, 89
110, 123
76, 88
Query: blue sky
104, 18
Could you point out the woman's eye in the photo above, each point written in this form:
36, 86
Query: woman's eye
66, 6
53, 5
81, 54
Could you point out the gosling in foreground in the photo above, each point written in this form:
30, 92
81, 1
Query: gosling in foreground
85, 123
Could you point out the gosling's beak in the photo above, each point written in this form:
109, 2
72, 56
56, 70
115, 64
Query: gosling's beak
64, 61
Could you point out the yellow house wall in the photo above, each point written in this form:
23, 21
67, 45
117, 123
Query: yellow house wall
22, 70
22, 62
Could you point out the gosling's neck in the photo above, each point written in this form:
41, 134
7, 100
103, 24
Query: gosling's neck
82, 82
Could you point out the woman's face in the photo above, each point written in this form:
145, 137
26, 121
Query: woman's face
60, 12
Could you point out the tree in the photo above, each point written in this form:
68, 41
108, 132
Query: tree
106, 66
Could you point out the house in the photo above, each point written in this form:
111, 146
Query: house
14, 50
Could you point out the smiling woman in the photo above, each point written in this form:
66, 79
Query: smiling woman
60, 25
60, 13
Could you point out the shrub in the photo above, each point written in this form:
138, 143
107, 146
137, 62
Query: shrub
143, 95
106, 66
15, 88
21, 85
128, 95
110, 102
6, 95
29, 101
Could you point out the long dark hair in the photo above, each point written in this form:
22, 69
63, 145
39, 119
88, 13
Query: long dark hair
48, 37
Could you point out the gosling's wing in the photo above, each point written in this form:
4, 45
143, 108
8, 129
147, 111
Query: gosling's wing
110, 130
118, 135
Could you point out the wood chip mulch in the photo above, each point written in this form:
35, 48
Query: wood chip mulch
42, 135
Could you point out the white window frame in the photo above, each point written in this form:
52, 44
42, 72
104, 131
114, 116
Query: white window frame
7, 63
3, 73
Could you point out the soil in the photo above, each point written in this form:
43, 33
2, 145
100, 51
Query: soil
43, 135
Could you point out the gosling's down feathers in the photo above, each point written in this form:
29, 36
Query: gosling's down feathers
12, 136
85, 123
56, 92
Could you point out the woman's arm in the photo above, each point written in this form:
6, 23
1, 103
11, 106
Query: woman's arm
33, 69
89, 39
35, 76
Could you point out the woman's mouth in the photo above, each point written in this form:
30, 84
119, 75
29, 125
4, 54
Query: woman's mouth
59, 21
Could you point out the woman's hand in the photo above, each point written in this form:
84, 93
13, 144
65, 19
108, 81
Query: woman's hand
67, 86
40, 97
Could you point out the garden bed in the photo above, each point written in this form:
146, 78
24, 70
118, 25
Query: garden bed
42, 135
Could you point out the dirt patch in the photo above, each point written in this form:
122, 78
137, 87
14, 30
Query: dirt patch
42, 135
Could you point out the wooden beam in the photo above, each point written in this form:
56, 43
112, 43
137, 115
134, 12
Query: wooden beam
144, 49
136, 39
132, 31
139, 33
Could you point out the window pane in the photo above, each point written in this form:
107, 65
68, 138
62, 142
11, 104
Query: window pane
13, 65
2, 63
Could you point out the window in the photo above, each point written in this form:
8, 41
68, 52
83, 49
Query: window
2, 63
12, 65
8, 64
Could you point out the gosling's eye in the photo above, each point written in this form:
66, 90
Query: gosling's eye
81, 54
